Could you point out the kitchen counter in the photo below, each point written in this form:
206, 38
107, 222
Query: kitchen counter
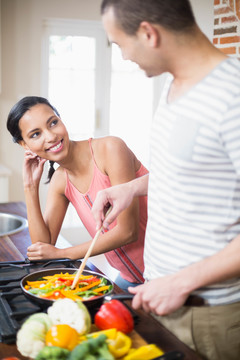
147, 327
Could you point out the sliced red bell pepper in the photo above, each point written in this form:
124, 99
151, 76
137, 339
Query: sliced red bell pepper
114, 314
66, 282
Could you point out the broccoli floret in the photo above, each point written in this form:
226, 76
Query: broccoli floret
92, 349
80, 352
104, 353
53, 353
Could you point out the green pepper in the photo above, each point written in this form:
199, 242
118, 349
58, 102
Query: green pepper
53, 353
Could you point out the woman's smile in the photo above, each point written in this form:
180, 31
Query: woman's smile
56, 147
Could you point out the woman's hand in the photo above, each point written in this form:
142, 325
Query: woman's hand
32, 169
40, 250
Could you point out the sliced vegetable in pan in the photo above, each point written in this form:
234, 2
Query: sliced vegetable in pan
58, 286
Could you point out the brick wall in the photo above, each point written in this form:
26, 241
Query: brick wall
227, 26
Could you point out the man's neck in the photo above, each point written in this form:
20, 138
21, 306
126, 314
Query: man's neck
192, 63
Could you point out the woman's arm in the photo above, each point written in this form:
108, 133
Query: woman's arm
120, 197
39, 229
115, 159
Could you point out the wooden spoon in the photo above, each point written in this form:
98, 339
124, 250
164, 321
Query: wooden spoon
88, 253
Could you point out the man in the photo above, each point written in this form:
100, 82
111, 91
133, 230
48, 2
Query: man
192, 241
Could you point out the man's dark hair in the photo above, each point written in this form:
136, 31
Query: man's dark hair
174, 15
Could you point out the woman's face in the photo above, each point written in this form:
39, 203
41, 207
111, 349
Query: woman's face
44, 133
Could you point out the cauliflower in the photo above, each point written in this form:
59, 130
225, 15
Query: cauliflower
31, 339
31, 336
42, 318
74, 314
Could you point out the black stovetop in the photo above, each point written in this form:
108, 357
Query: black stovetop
14, 306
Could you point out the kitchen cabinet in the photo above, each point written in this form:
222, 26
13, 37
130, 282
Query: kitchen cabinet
147, 327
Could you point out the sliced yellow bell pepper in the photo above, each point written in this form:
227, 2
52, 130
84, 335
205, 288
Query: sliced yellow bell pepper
119, 346
145, 352
110, 333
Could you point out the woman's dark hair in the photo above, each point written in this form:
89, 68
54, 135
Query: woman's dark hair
17, 112
174, 15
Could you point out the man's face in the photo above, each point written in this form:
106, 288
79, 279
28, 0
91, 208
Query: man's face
133, 47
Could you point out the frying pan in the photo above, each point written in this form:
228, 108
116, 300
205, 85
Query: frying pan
96, 302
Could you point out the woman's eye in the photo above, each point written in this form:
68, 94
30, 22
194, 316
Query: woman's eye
34, 135
54, 122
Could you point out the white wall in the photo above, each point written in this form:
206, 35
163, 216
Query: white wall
204, 11
21, 63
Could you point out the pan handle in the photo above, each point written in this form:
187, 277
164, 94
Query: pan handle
172, 355
118, 297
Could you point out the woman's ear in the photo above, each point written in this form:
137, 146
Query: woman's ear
23, 144
149, 33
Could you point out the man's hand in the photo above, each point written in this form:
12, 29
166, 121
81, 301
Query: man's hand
118, 196
161, 296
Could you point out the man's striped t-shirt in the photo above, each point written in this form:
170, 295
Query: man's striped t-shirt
194, 181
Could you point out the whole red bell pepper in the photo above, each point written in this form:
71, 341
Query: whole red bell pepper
114, 314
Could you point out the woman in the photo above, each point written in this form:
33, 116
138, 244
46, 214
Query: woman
85, 167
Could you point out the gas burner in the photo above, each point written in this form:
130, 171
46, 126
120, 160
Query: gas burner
14, 306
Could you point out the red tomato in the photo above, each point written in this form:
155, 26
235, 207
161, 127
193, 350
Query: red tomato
114, 314
11, 358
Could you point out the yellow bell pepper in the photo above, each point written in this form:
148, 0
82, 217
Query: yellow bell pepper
63, 336
110, 333
119, 346
145, 352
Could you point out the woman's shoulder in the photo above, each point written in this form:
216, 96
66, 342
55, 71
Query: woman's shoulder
109, 144
111, 152
58, 179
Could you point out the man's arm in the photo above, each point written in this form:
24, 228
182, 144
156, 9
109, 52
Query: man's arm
165, 295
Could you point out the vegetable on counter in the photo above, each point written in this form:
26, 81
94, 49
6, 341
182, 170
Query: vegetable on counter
114, 314
31, 336
74, 314
62, 335
92, 349
145, 352
120, 345
110, 334
53, 353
